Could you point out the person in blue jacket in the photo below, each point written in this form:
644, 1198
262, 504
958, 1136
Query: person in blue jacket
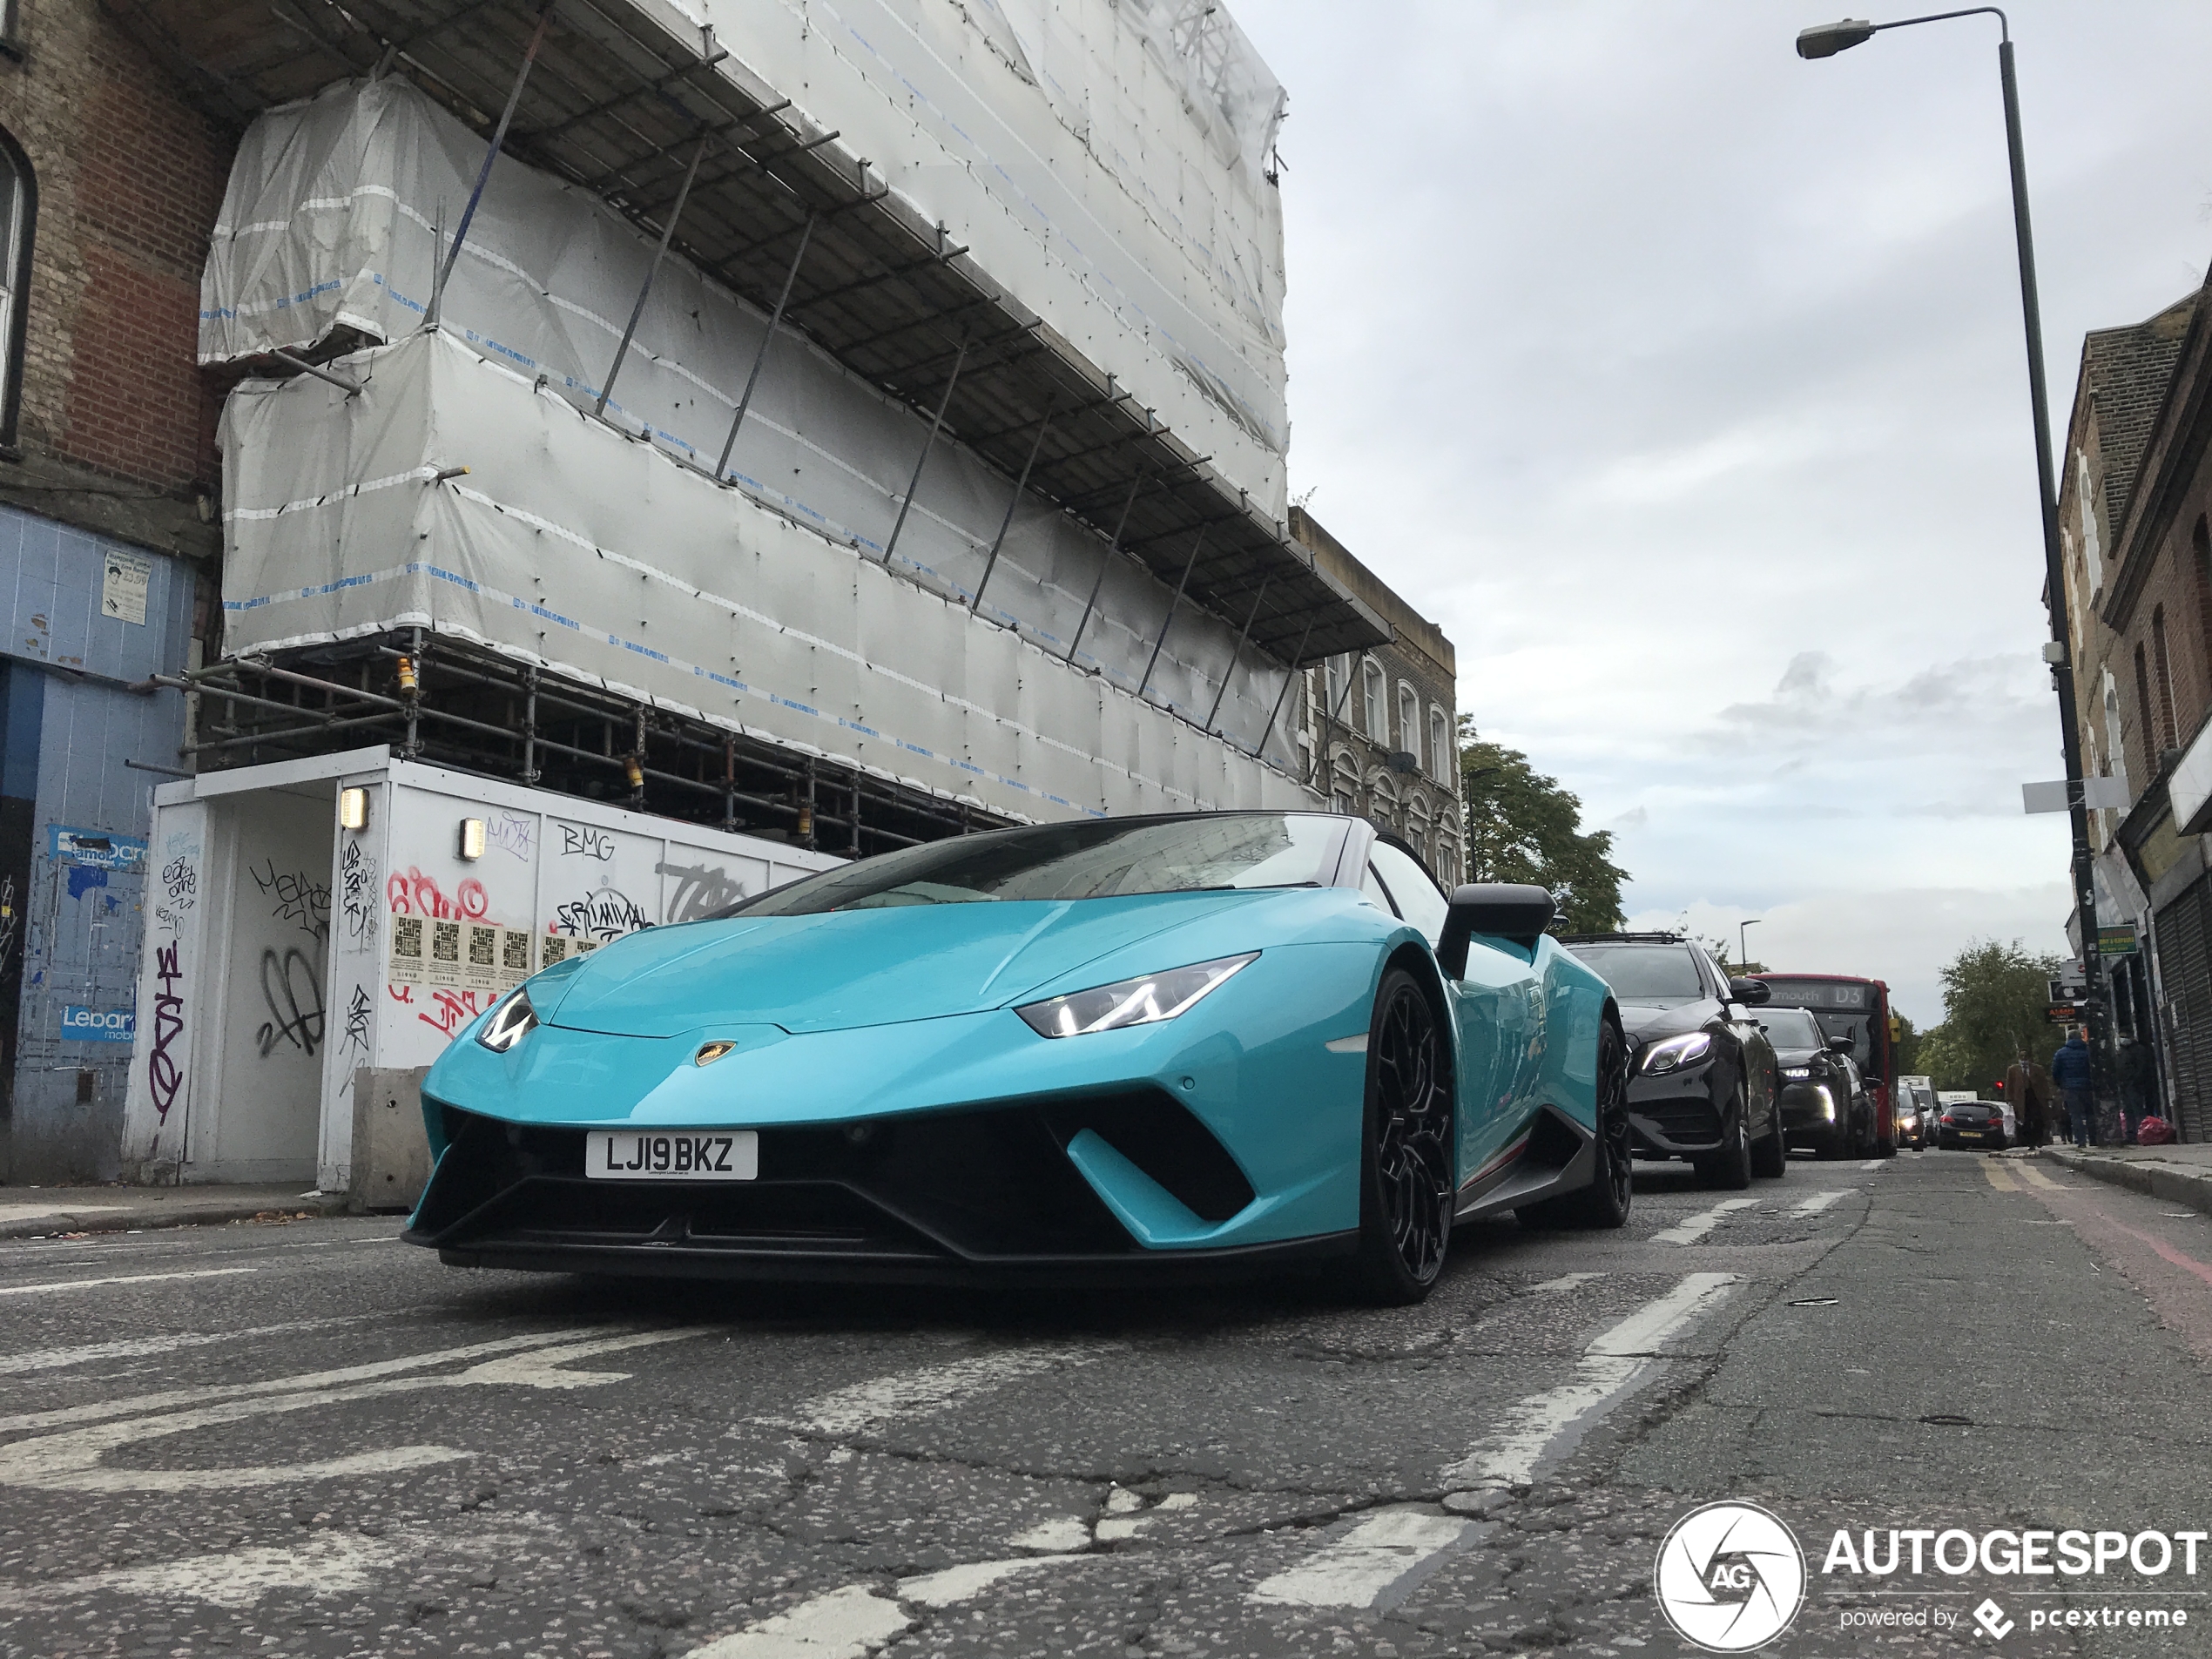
2070, 1070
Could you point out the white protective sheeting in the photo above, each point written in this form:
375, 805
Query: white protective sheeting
605, 559
330, 219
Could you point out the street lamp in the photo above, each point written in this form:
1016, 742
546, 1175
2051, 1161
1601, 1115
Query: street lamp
1742, 955
1826, 41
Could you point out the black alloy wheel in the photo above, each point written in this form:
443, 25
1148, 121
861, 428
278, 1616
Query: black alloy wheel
1605, 1202
1730, 1167
1406, 1155
1771, 1157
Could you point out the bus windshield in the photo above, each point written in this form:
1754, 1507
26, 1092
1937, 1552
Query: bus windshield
1857, 1008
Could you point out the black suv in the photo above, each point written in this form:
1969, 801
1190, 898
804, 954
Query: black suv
1704, 1081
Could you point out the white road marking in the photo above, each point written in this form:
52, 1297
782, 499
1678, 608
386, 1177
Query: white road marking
1872, 1164
72, 1460
1056, 1536
1820, 1201
132, 1278
1564, 1282
1358, 1568
915, 1393
39, 1212
854, 1621
1689, 1232
958, 1584
140, 1347
1613, 1364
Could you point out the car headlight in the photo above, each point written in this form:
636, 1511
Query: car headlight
1796, 1071
1130, 1002
1827, 1102
511, 1019
1676, 1052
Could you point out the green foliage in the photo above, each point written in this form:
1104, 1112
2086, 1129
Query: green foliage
1909, 1039
1993, 1001
1522, 826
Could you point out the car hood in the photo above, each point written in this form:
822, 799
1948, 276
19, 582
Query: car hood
1798, 1057
1645, 1024
847, 968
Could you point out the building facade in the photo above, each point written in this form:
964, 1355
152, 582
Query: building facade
109, 492
1379, 728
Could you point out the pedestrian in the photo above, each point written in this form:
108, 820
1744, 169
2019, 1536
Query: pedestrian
2071, 1071
2028, 1086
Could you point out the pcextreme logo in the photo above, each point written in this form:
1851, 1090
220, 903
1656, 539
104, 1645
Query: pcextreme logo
1730, 1577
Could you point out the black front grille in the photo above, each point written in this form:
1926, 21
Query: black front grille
983, 1183
1687, 1121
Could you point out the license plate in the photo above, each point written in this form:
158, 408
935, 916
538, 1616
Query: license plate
672, 1155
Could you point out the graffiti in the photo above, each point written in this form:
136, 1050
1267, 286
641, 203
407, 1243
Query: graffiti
301, 898
604, 915
294, 1018
577, 841
7, 918
359, 1010
701, 889
453, 1010
164, 1077
512, 835
357, 895
401, 992
180, 880
417, 895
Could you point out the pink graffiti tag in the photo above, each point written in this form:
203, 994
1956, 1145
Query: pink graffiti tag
162, 1077
416, 894
454, 1009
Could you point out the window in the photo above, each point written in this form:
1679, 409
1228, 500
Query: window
1377, 710
1418, 901
18, 210
2148, 732
2169, 730
1439, 744
1409, 721
1337, 676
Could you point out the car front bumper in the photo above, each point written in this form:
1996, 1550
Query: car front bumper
1672, 1114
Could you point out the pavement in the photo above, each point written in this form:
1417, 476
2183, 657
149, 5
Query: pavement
310, 1439
33, 1212
2177, 1174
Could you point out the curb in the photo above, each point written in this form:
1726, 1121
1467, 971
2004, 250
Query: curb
148, 1218
2153, 1180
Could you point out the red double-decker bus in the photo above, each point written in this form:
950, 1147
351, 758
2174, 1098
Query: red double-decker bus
1860, 1009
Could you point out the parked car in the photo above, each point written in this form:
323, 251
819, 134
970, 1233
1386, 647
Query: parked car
1705, 1086
1131, 1048
1972, 1122
1916, 1112
1825, 1102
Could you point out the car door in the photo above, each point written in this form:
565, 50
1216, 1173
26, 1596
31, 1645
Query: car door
1495, 1010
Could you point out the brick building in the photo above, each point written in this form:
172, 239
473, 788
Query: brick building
108, 524
1379, 728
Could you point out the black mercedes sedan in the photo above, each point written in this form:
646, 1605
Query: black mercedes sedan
1825, 1102
1703, 1082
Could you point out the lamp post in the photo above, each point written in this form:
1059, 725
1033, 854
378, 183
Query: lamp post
1743, 954
1825, 41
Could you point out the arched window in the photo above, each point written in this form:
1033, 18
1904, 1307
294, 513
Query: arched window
2145, 730
18, 214
1377, 710
1440, 745
2168, 727
2200, 539
1409, 721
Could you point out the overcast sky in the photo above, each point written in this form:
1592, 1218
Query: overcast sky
1681, 382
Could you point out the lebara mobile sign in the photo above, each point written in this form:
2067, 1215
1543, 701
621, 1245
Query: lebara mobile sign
99, 1025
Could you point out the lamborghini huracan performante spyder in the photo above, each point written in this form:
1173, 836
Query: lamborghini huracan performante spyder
1080, 1052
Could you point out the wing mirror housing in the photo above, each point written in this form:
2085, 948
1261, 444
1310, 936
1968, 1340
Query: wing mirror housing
1752, 993
1840, 1045
1501, 909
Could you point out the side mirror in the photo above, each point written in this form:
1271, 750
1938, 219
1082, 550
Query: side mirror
1840, 1045
1752, 993
1501, 909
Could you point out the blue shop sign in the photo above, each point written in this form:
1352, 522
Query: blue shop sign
99, 1025
97, 848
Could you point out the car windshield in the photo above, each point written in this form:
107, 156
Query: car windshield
1655, 977
1099, 859
1790, 1028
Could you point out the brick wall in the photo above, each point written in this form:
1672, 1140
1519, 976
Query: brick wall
117, 427
2179, 585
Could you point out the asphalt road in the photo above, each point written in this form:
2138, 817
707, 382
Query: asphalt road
310, 1439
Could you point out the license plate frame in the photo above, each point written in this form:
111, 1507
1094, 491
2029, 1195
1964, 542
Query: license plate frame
711, 1155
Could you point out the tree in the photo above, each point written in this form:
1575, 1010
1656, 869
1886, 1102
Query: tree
1993, 1001
1522, 826
1908, 1048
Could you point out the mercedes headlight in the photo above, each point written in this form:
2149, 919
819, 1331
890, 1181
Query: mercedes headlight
1130, 1002
1827, 1102
1796, 1071
1676, 1052
511, 1019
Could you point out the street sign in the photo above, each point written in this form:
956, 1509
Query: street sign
2118, 939
2064, 1014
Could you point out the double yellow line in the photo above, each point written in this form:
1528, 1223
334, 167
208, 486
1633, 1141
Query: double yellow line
2002, 1176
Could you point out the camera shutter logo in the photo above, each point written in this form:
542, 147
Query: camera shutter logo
1730, 1577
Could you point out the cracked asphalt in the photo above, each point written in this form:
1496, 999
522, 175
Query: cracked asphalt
309, 1440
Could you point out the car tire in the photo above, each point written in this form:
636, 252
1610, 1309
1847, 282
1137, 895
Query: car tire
1606, 1201
1405, 1169
1730, 1168
1771, 1157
